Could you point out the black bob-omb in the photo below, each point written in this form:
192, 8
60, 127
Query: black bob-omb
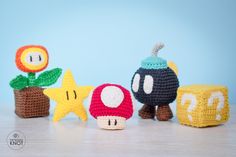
155, 87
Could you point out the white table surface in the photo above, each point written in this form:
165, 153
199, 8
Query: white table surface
143, 138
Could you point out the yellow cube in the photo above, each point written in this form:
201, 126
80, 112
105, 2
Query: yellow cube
202, 105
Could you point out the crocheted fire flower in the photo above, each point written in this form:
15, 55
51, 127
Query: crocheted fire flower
28, 90
155, 83
111, 105
32, 58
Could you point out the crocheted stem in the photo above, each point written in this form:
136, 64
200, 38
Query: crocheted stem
147, 112
32, 78
164, 113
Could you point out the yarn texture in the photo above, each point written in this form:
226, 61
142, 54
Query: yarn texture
46, 78
155, 83
69, 98
112, 113
164, 86
202, 105
30, 101
154, 63
32, 58
97, 107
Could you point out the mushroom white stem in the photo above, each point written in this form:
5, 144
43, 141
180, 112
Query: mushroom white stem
157, 48
111, 122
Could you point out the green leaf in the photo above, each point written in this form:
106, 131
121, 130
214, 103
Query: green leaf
19, 82
48, 78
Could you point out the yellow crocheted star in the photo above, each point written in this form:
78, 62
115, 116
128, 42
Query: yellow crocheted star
69, 98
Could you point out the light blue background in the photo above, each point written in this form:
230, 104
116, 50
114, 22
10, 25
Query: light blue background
104, 41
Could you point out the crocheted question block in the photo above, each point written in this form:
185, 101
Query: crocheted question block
202, 105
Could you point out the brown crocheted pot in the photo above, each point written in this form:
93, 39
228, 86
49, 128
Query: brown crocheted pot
31, 102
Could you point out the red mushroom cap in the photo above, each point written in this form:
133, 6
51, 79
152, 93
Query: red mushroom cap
111, 100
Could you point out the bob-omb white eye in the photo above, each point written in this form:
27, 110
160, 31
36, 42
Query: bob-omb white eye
35, 58
148, 84
135, 85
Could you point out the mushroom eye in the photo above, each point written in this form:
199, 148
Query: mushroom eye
34, 58
148, 84
136, 80
112, 96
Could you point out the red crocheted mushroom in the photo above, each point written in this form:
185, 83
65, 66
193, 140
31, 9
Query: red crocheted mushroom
111, 105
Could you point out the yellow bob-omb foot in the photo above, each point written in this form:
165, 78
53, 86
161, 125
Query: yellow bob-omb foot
202, 105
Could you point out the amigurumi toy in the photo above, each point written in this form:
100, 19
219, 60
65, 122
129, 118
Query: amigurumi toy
69, 98
111, 105
29, 98
155, 83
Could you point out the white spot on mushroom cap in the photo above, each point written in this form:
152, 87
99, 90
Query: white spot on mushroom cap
112, 96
